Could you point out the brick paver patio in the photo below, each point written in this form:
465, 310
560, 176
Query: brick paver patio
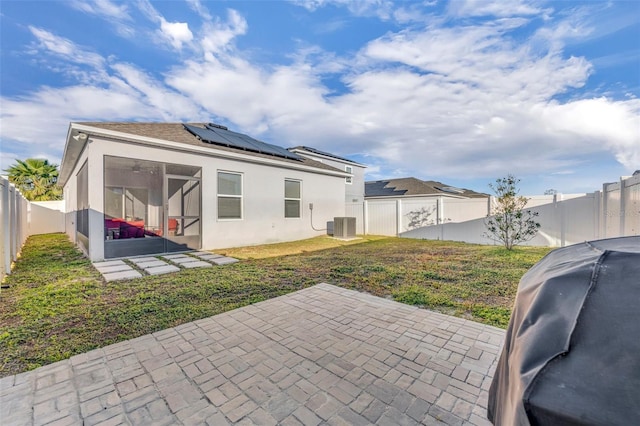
322, 355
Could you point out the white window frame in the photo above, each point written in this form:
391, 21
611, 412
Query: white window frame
218, 196
349, 179
299, 200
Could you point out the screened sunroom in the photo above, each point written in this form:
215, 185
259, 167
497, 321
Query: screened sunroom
150, 207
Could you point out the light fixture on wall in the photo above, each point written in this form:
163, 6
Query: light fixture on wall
80, 137
136, 167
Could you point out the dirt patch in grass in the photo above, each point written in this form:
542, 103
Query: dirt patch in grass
294, 247
57, 304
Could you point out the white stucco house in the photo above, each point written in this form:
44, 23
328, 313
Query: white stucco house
146, 188
355, 189
355, 185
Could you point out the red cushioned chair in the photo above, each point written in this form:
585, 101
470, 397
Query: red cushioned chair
173, 226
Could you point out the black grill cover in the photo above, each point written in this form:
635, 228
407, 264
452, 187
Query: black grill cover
572, 350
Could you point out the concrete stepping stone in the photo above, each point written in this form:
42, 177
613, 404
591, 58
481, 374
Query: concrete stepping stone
186, 259
122, 275
196, 264
209, 256
158, 270
138, 260
109, 263
176, 256
151, 264
115, 268
112, 266
224, 260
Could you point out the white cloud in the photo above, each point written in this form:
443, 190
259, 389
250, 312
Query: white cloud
176, 33
383, 9
493, 8
330, 26
116, 14
104, 8
106, 90
200, 9
218, 35
65, 48
611, 125
165, 103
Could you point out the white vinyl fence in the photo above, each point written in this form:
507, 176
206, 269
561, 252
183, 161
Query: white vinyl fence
20, 218
13, 232
393, 217
565, 220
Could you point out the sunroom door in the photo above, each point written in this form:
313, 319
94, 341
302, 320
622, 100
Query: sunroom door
183, 210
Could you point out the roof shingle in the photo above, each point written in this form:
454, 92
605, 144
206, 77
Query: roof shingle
414, 186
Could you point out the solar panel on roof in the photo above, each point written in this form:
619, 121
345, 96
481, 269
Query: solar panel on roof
220, 135
199, 132
233, 139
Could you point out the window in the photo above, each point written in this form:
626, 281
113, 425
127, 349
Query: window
292, 200
229, 195
349, 179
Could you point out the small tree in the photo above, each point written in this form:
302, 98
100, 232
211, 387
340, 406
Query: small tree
511, 223
36, 179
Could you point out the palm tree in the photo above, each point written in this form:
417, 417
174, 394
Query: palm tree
36, 179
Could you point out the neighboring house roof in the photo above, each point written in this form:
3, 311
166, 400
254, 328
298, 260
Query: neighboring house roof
415, 187
225, 140
321, 153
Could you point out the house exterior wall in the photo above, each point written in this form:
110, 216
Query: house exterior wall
95, 250
263, 206
70, 195
70, 203
354, 192
263, 218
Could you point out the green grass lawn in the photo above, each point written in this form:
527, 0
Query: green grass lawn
57, 304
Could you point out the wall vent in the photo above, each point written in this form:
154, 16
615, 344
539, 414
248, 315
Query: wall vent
344, 227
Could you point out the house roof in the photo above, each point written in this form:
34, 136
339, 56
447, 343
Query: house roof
221, 135
322, 153
413, 186
177, 132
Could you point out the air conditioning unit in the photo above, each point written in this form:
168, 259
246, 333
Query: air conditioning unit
344, 227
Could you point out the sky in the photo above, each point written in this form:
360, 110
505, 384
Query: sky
463, 92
